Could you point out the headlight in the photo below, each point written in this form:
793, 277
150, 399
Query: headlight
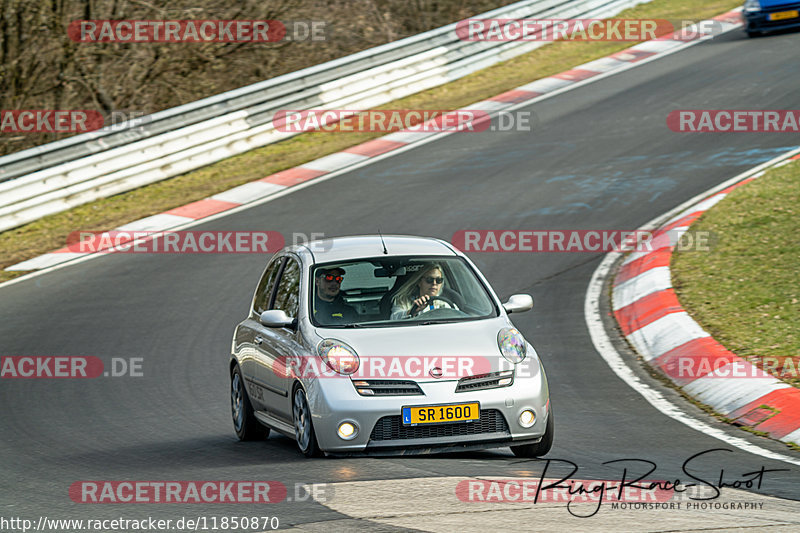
339, 357
347, 431
527, 418
512, 344
752, 5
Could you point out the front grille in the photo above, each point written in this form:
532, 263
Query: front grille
767, 11
788, 6
485, 381
766, 23
392, 428
387, 387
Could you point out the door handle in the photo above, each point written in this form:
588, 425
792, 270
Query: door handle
258, 339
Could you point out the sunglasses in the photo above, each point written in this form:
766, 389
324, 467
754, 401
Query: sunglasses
331, 277
431, 280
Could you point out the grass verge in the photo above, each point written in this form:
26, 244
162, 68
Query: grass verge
51, 232
745, 291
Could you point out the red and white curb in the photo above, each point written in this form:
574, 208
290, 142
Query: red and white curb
271, 185
651, 318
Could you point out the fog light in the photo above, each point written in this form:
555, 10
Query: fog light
347, 431
527, 418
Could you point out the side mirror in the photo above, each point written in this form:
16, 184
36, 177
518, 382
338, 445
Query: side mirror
518, 303
276, 318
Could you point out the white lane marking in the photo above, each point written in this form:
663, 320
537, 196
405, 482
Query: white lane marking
658, 45
544, 85
45, 261
708, 203
729, 394
157, 222
408, 137
248, 192
794, 436
653, 280
335, 161
665, 334
486, 105
605, 347
603, 64
662, 240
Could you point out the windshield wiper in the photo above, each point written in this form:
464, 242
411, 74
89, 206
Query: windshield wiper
441, 321
381, 324
363, 325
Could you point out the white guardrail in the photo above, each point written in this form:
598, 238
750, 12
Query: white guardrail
79, 169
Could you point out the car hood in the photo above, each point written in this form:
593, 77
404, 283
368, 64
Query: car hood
409, 352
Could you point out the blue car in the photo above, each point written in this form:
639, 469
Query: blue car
770, 15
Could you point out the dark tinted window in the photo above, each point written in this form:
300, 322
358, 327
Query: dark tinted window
265, 286
288, 295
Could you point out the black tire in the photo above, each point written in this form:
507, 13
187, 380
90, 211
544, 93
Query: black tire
752, 34
304, 433
541, 447
245, 424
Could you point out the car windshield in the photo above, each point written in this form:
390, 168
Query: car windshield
397, 291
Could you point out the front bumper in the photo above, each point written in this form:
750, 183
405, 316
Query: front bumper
333, 401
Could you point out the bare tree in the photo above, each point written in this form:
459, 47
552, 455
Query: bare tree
42, 68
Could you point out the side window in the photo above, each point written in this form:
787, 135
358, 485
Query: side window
288, 295
265, 286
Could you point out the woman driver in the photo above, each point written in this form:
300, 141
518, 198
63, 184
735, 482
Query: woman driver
418, 293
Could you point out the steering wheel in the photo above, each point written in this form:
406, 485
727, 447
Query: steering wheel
427, 309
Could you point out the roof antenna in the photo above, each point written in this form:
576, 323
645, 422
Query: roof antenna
385, 251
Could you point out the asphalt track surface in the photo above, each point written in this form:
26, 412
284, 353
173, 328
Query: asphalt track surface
600, 157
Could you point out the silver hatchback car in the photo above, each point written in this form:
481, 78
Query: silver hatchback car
386, 345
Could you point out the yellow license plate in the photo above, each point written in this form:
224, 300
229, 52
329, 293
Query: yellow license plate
437, 414
783, 15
